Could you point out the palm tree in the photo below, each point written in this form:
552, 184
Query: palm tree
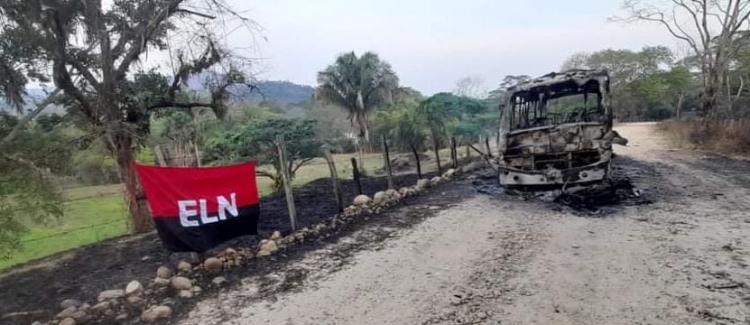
359, 85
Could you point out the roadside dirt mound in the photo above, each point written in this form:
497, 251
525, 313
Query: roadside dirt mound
38, 287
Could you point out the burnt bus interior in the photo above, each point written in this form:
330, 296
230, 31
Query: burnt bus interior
557, 124
559, 103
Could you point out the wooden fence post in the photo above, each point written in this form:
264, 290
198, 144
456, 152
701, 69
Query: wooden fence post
355, 174
387, 163
416, 157
335, 179
454, 152
487, 144
281, 146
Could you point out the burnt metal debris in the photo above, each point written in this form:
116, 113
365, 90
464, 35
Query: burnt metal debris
555, 143
556, 130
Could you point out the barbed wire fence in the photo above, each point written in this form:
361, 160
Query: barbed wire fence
319, 166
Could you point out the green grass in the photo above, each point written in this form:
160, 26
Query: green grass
96, 213
86, 221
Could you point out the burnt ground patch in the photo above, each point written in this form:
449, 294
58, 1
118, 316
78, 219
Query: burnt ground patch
278, 274
632, 182
37, 287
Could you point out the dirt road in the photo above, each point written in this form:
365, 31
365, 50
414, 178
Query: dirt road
682, 259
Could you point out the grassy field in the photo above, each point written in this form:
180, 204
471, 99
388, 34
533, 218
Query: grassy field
95, 213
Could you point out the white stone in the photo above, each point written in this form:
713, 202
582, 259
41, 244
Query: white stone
67, 312
213, 264
184, 267
134, 300
361, 200
164, 272
111, 294
161, 282
156, 313
133, 288
80, 316
275, 236
423, 183
101, 307
219, 281
268, 245
67, 321
379, 197
70, 303
181, 283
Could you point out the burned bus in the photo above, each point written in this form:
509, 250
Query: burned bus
557, 130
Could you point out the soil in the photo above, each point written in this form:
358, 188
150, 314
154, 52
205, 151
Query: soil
37, 287
680, 258
461, 254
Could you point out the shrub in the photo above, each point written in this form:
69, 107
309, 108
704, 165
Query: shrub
727, 136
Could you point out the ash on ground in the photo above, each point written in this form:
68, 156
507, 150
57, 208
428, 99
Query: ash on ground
599, 199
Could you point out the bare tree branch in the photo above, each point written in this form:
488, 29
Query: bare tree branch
146, 32
175, 104
195, 13
301, 163
28, 117
265, 174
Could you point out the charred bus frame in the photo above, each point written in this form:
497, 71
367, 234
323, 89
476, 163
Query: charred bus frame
557, 130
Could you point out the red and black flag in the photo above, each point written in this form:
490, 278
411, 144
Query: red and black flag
195, 209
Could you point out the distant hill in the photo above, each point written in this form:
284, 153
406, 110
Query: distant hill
282, 92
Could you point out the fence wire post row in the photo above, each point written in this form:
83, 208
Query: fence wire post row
281, 146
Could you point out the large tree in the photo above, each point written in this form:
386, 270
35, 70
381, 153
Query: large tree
646, 84
359, 85
95, 54
257, 141
470, 86
714, 30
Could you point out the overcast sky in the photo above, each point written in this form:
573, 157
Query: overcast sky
433, 43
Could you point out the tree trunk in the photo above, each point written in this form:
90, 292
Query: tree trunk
436, 148
711, 93
122, 148
678, 107
362, 154
416, 158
